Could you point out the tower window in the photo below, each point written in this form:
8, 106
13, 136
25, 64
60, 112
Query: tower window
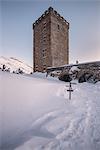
58, 27
36, 67
43, 55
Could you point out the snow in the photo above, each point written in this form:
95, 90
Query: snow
74, 68
36, 114
14, 64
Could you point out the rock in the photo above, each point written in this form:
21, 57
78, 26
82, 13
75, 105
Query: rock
65, 77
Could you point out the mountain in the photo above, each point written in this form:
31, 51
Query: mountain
14, 64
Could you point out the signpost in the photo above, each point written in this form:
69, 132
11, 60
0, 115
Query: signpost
70, 90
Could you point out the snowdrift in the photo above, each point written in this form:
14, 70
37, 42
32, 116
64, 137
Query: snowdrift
36, 114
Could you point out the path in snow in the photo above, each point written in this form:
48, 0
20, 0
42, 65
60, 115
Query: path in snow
74, 128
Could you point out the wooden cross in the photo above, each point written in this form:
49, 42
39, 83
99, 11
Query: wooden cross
70, 90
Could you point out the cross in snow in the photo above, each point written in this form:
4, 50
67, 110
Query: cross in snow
70, 90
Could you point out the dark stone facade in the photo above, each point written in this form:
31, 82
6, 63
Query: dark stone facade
50, 41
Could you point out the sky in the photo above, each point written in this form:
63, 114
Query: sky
17, 16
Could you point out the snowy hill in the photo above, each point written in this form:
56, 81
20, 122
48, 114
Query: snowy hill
14, 64
36, 114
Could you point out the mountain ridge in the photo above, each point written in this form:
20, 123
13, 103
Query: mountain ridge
14, 64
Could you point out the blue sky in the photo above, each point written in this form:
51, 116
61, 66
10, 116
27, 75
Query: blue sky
17, 16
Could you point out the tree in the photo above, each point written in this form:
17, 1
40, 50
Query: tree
20, 71
3, 67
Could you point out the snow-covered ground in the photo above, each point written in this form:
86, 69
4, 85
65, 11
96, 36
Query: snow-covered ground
36, 114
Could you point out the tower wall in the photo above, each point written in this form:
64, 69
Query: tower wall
42, 53
59, 41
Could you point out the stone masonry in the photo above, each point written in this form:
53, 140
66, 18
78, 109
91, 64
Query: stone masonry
50, 41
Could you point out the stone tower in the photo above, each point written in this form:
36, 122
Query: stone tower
50, 41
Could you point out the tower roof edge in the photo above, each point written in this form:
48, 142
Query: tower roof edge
48, 11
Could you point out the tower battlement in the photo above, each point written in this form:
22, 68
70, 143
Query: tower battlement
47, 12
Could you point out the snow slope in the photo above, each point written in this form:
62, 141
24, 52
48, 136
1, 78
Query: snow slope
14, 64
37, 115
